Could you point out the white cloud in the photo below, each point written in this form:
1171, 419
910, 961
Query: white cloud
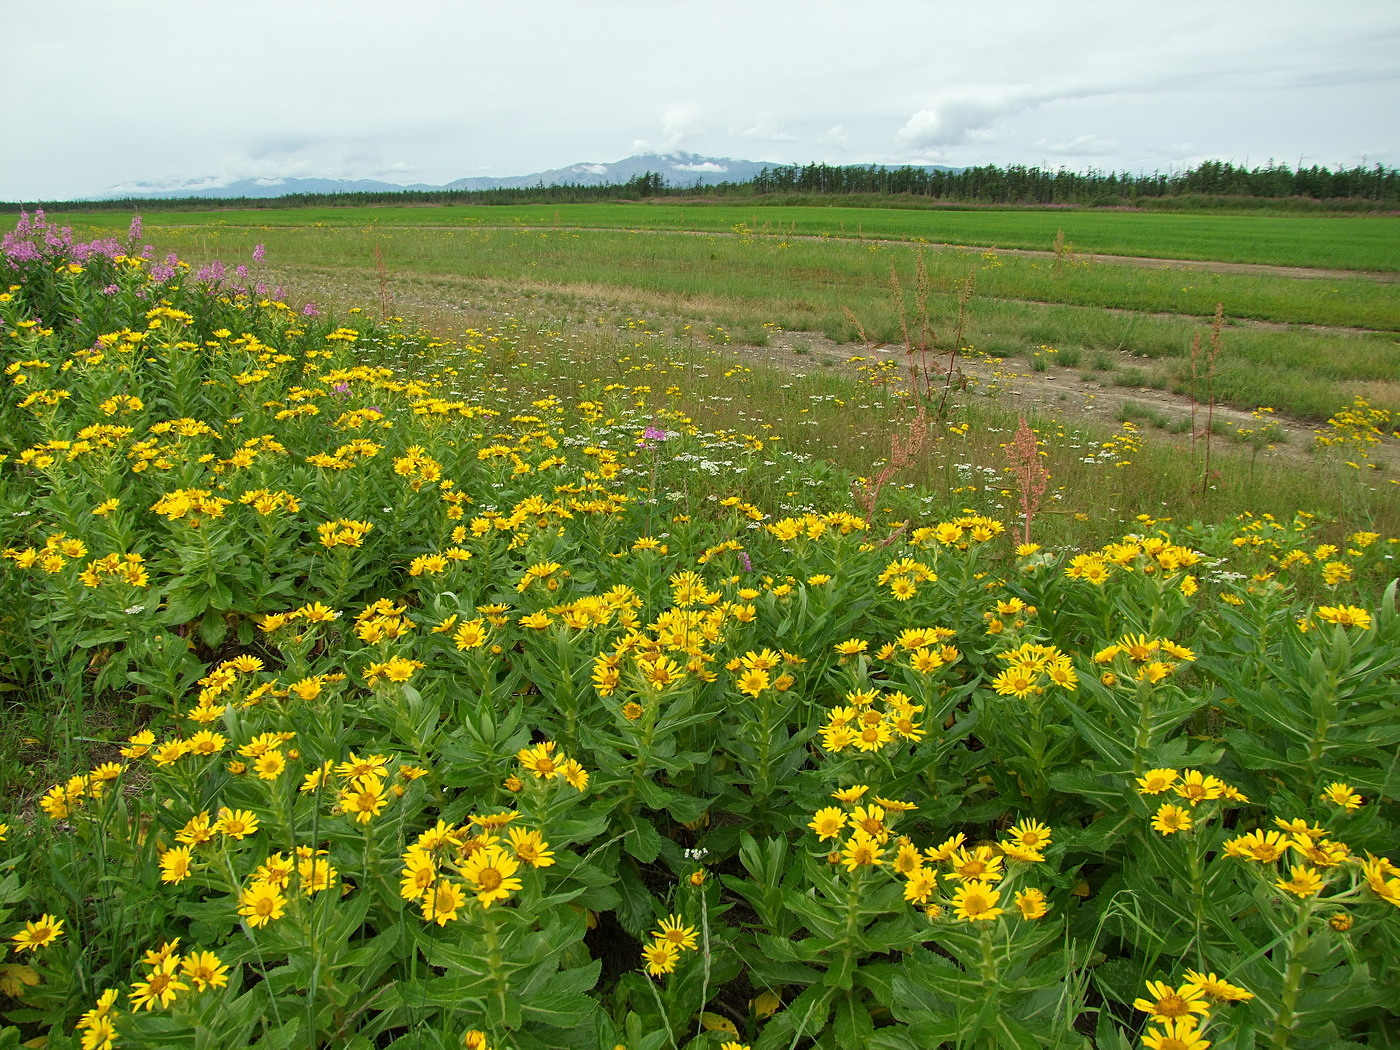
1079, 146
957, 121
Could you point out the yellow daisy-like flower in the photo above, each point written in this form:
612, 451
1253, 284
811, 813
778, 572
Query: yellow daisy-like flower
442, 902
1345, 616
920, 885
1304, 881
861, 850
175, 864
540, 760
674, 931
1169, 1004
490, 872
38, 934
1170, 819
1156, 781
1196, 787
574, 774
275, 871
1217, 987
160, 987
1032, 903
1340, 794
828, 822
530, 847
205, 970
979, 864
976, 902
260, 903
1175, 1035
236, 824
851, 794
364, 798
1262, 846
270, 764
1031, 834
660, 957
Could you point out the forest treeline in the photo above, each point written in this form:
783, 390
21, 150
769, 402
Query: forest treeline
1212, 184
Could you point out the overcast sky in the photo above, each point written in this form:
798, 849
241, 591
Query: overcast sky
103, 95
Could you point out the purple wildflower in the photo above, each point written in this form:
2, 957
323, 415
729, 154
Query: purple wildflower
258, 252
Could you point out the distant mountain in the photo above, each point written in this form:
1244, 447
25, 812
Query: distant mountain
247, 188
678, 170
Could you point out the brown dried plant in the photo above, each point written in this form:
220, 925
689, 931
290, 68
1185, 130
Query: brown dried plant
904, 451
1030, 473
1203, 368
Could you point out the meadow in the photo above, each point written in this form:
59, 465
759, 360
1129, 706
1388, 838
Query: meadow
543, 672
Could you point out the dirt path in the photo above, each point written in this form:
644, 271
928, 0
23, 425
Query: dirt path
1056, 392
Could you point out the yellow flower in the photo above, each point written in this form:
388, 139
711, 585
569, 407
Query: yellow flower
1345, 616
1262, 846
1032, 903
39, 934
236, 824
530, 847
490, 871
574, 774
1155, 781
660, 957
753, 682
1169, 1004
1031, 834
1196, 787
1171, 819
540, 760
674, 931
861, 850
175, 864
976, 902
1181, 1034
1340, 794
919, 885
197, 830
1304, 881
442, 902
260, 903
1217, 988
365, 798
270, 764
980, 864
160, 986
205, 970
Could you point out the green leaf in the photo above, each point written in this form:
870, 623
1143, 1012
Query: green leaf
640, 839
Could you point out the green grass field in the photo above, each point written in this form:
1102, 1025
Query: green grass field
1332, 242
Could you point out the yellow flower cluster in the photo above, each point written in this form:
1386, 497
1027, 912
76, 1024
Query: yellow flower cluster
870, 719
961, 533
1031, 668
667, 943
1180, 1010
869, 843
543, 762
1144, 658
486, 863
